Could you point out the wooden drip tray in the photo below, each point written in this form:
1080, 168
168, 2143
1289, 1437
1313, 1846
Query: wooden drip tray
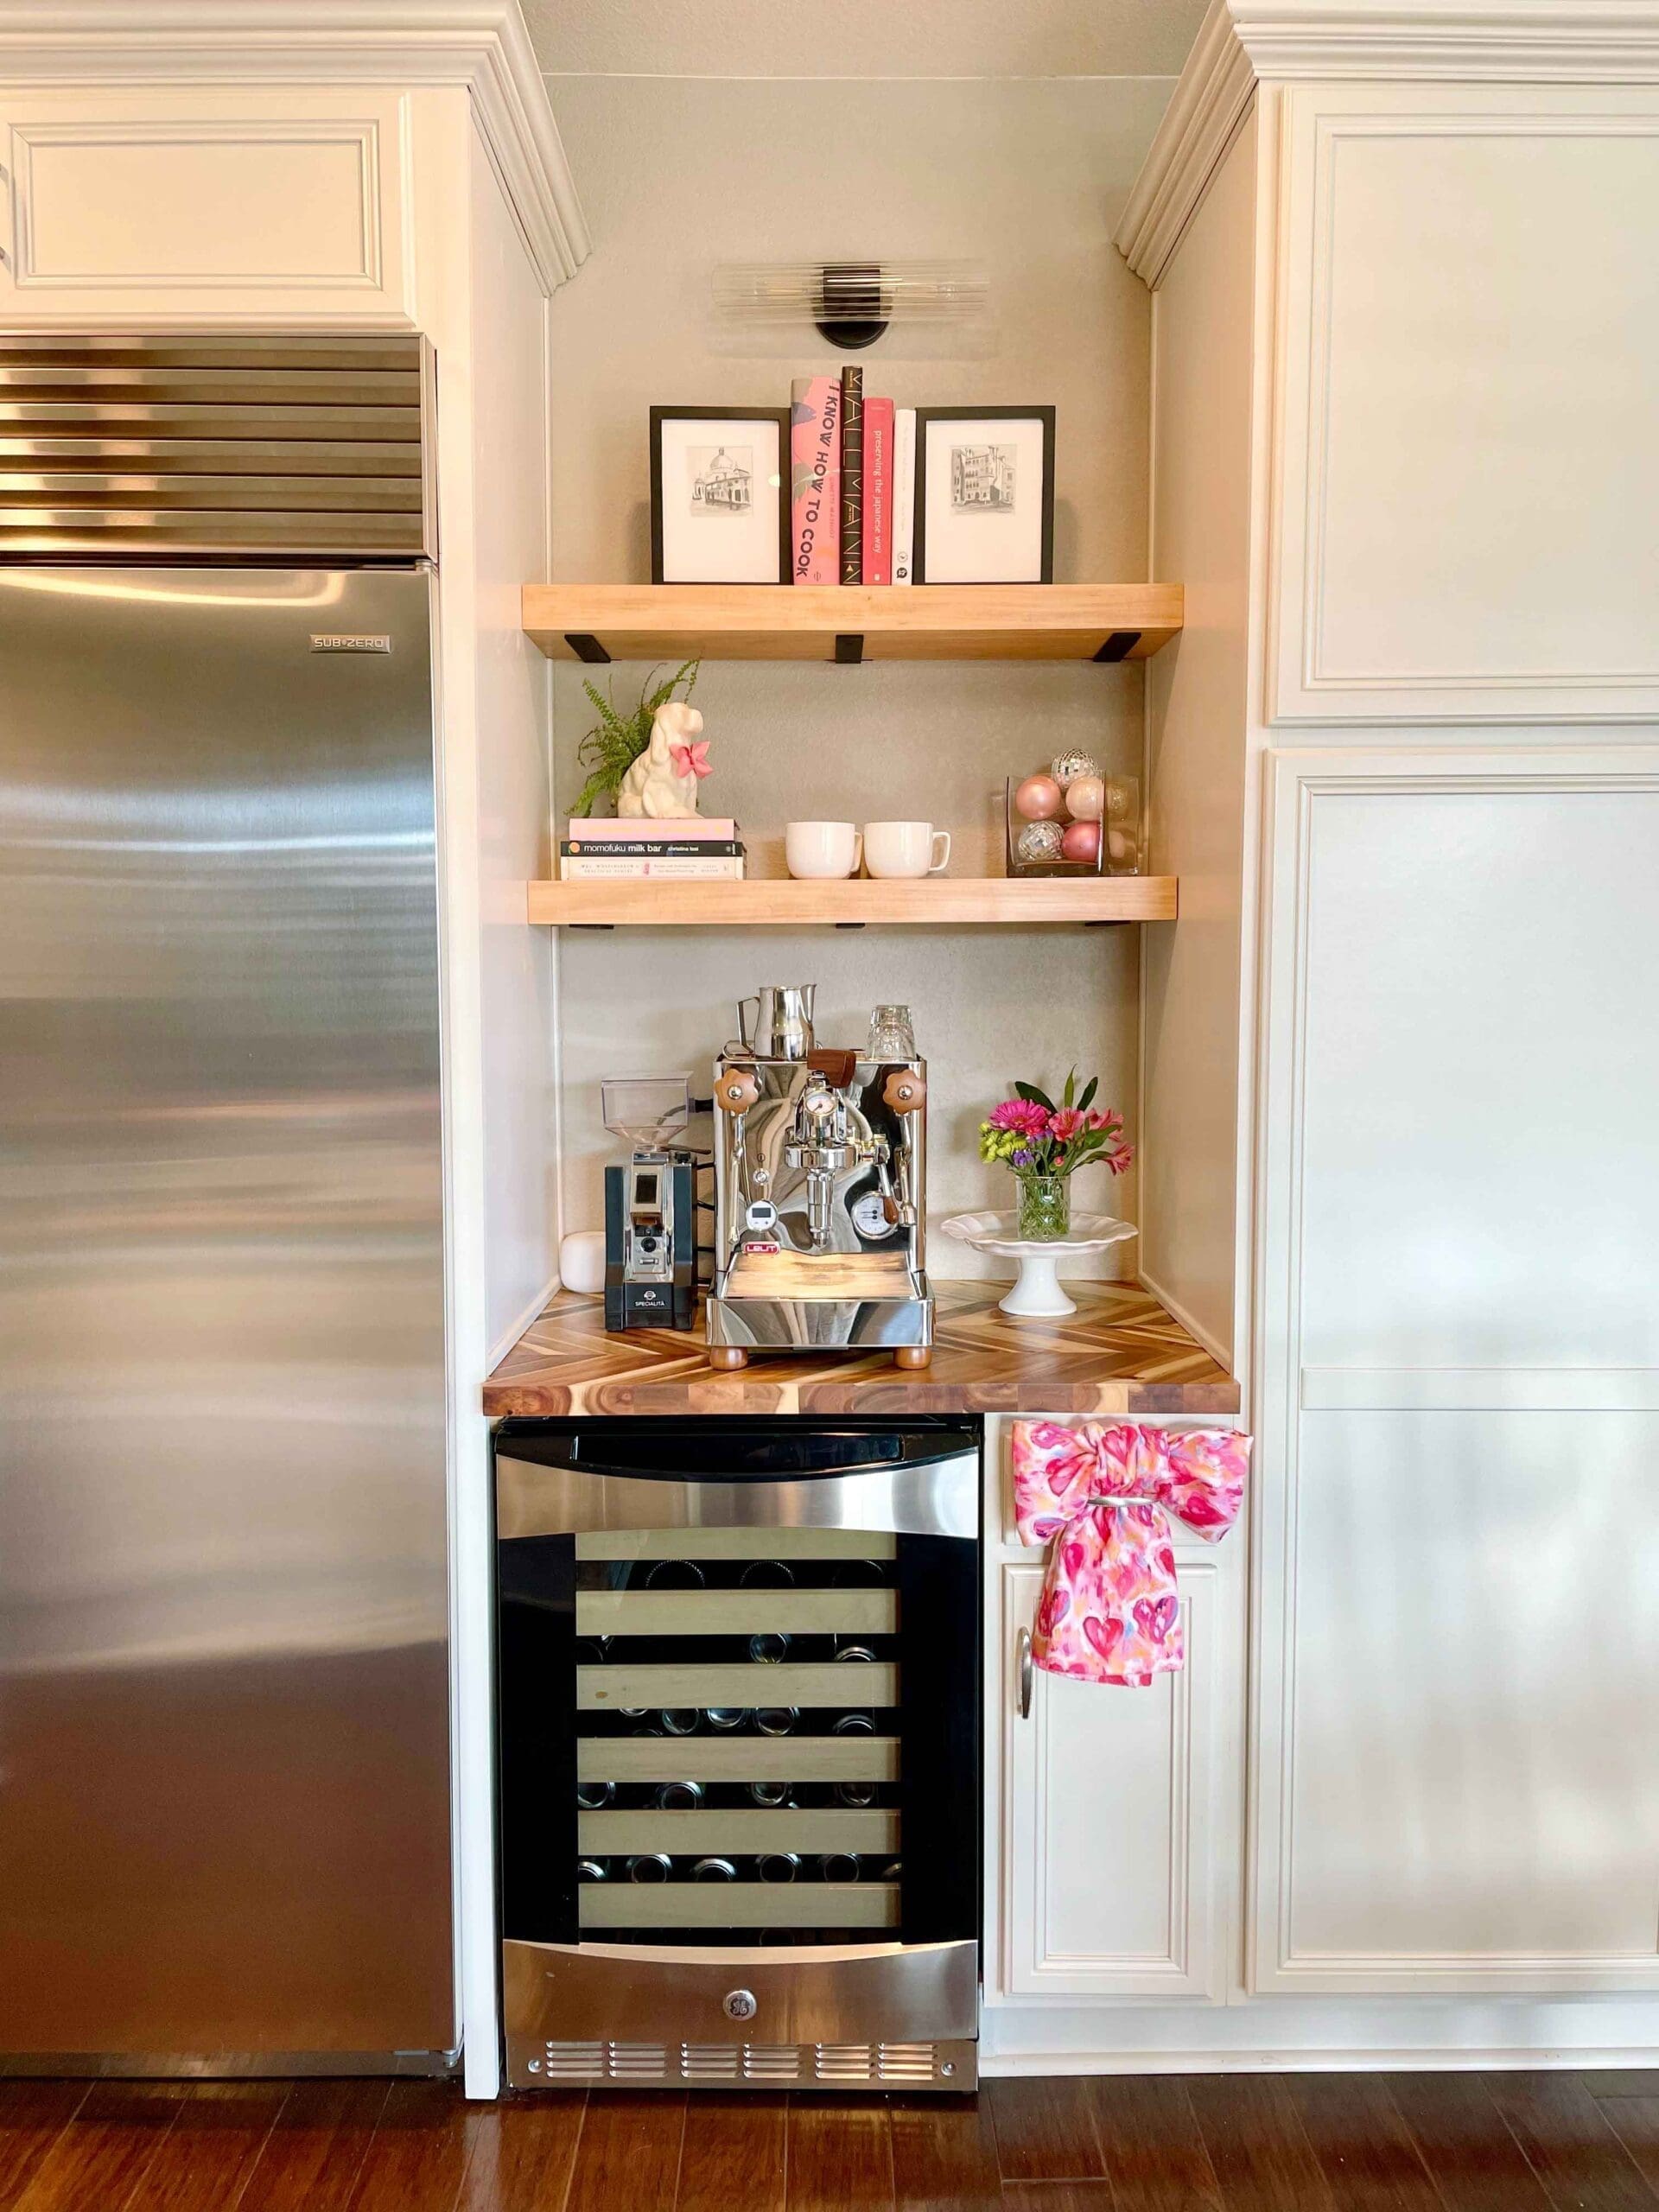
1120, 1353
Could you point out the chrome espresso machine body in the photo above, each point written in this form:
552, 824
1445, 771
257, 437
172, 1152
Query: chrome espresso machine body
820, 1181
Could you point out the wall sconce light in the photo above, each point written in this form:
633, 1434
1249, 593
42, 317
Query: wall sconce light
851, 302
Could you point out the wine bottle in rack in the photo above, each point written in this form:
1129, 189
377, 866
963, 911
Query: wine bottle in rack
860, 1575
839, 1866
592, 1870
860, 1654
591, 1796
679, 1797
856, 1724
714, 1870
776, 1719
777, 1867
767, 1574
727, 1716
674, 1575
681, 1721
649, 1866
772, 1793
769, 1647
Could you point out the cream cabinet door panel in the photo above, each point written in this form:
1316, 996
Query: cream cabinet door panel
1106, 1846
1469, 1704
1456, 1737
1478, 1003
192, 205
1469, 448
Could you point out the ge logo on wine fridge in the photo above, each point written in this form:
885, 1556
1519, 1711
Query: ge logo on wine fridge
739, 2004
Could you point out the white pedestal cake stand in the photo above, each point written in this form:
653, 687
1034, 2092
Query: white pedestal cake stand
1036, 1296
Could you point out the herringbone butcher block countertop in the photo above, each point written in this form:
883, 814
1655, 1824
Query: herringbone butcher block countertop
1119, 1353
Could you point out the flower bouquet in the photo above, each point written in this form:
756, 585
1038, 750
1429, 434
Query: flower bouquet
1045, 1144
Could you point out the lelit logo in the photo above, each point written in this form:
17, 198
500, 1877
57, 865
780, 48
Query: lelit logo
348, 641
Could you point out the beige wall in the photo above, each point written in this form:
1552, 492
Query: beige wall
1028, 176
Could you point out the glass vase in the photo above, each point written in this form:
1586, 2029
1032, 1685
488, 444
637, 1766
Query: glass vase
1044, 1207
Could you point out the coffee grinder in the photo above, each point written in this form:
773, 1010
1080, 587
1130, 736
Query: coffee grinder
650, 1207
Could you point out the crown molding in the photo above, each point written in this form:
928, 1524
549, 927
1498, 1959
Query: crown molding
1211, 96
1242, 43
1457, 41
480, 44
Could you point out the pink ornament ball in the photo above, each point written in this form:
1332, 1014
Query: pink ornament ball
1038, 799
1085, 796
1081, 842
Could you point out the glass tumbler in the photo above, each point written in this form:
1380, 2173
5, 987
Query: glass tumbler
892, 1034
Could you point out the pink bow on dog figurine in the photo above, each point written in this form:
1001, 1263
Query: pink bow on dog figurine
1108, 1612
691, 759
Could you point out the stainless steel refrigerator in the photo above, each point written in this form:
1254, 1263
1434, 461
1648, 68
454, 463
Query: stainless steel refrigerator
224, 1837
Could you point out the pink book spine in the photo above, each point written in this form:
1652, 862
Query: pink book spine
719, 828
878, 491
815, 478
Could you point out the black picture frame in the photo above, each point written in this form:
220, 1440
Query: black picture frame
781, 416
925, 416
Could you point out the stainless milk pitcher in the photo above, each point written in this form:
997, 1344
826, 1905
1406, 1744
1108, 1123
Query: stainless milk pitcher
782, 1027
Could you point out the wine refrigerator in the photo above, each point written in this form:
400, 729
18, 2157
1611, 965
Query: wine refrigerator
739, 1702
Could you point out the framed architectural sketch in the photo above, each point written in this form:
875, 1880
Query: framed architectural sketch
984, 495
719, 507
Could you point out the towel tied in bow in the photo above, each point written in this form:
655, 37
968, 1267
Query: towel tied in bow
1101, 1497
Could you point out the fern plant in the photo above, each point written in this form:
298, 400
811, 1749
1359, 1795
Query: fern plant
617, 740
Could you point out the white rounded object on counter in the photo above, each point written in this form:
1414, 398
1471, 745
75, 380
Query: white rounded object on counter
581, 1261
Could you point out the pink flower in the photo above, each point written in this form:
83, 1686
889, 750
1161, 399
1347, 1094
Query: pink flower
1106, 1120
1065, 1123
1024, 1116
1118, 1161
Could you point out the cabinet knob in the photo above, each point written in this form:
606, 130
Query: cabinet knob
1024, 1672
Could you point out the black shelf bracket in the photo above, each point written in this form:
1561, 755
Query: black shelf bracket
1119, 645
585, 645
849, 648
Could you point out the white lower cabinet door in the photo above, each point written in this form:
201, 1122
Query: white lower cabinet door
1107, 1817
1472, 1704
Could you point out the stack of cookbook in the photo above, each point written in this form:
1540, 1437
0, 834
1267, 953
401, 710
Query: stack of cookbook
695, 848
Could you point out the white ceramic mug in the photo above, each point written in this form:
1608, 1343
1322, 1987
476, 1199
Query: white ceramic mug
905, 848
817, 850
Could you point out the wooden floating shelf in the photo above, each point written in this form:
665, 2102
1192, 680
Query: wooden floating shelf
999, 901
848, 623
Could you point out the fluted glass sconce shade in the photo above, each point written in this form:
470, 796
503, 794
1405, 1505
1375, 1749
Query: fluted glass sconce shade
851, 302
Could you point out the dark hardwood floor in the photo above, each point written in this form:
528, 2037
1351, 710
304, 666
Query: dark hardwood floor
1157, 2143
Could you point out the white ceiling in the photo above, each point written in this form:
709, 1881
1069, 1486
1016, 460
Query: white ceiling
864, 38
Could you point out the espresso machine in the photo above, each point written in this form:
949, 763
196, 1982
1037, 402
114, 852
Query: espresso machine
820, 1181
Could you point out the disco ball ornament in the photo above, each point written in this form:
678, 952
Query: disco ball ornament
1065, 767
1039, 840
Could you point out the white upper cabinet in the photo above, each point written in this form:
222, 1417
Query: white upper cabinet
183, 206
1467, 464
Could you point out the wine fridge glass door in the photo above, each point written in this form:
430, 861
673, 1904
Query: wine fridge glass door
739, 1735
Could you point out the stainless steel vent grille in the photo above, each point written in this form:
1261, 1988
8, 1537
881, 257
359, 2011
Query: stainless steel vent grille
757, 2066
239, 448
